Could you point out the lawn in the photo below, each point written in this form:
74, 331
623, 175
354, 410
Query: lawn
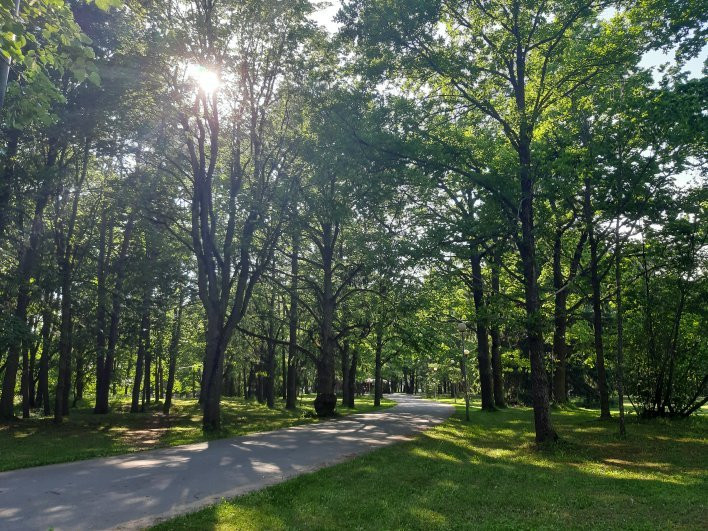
489, 474
38, 441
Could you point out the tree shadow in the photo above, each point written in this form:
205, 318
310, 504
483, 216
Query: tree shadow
488, 473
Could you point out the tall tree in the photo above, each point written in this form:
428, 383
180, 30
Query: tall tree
238, 156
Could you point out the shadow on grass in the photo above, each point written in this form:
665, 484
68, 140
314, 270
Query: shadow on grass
489, 474
84, 435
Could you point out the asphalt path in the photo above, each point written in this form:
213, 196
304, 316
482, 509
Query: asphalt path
136, 490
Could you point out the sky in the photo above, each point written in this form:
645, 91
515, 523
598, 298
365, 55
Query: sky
325, 15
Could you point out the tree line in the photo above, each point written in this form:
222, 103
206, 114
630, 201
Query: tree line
222, 198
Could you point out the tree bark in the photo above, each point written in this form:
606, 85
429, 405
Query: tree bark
79, 382
497, 368
673, 346
61, 401
560, 320
283, 375
649, 329
596, 307
620, 330
143, 346
270, 360
101, 303
378, 366
43, 380
64, 236
534, 329
147, 365
25, 271
352, 379
101, 311
483, 362
32, 381
326, 400
25, 383
173, 352
345, 373
103, 384
212, 381
291, 398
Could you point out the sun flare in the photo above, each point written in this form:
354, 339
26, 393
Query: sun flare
204, 78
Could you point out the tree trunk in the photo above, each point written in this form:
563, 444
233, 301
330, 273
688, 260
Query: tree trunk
673, 345
64, 237
326, 400
291, 398
61, 403
377, 367
352, 379
32, 381
649, 328
173, 352
534, 319
560, 320
147, 365
212, 381
143, 346
127, 376
159, 377
25, 383
103, 384
345, 373
24, 274
284, 375
485, 368
101, 303
43, 380
596, 308
245, 383
463, 374
270, 370
497, 370
79, 381
620, 331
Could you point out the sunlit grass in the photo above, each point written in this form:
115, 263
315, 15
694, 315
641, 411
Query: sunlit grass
489, 474
83, 435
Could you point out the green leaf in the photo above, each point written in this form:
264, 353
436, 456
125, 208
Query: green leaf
105, 5
95, 78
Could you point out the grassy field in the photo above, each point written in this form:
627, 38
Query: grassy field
488, 474
38, 441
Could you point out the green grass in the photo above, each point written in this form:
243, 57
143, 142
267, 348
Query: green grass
38, 441
488, 474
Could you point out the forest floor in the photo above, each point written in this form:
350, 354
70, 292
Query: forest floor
83, 435
489, 474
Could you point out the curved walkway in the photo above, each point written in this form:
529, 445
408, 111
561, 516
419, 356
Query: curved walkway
136, 490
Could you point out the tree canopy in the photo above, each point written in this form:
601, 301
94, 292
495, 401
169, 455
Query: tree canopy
214, 198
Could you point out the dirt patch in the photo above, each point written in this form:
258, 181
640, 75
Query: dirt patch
149, 435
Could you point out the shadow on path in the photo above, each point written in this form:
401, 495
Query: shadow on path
135, 490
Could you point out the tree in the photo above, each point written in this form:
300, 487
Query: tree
238, 158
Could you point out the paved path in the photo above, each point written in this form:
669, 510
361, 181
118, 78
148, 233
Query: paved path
136, 490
